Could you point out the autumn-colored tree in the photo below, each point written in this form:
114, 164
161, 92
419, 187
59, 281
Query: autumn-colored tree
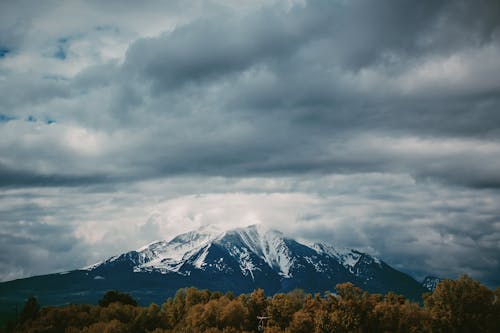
212, 313
463, 305
395, 314
234, 314
302, 322
174, 308
194, 319
257, 303
456, 306
229, 295
122, 312
282, 307
159, 330
113, 326
195, 296
147, 319
274, 329
216, 295
212, 330
348, 315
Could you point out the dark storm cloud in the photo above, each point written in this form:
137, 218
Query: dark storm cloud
279, 78
19, 178
302, 90
290, 91
208, 49
358, 34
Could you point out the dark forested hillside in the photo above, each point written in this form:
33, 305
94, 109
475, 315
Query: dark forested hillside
463, 305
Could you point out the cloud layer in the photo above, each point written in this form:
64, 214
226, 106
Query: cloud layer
372, 124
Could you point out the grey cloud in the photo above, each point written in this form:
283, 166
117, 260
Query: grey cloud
207, 49
389, 32
270, 96
428, 228
31, 246
12, 28
18, 178
26, 91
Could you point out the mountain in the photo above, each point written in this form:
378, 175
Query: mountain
237, 260
430, 283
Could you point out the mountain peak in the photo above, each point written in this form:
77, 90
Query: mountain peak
212, 229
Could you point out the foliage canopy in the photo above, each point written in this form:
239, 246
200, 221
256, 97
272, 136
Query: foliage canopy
457, 306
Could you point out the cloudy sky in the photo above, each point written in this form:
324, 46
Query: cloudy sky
366, 124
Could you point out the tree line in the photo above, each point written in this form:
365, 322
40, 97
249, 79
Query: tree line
462, 305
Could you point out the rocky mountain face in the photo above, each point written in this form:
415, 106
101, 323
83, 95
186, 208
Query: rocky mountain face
237, 260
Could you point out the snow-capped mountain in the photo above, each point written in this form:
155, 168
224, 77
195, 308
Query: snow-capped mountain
246, 258
237, 260
254, 249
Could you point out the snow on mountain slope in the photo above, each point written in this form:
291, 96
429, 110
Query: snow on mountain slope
255, 249
268, 245
170, 256
430, 282
347, 257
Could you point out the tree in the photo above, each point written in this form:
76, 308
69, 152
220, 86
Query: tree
456, 306
256, 304
195, 296
282, 307
30, 310
301, 322
463, 305
113, 296
395, 314
234, 314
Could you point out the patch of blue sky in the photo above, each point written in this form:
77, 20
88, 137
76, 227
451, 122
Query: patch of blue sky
54, 77
33, 119
105, 27
4, 51
64, 40
62, 47
60, 53
6, 118
49, 121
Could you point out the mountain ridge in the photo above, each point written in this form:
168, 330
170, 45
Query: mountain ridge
165, 256
238, 260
